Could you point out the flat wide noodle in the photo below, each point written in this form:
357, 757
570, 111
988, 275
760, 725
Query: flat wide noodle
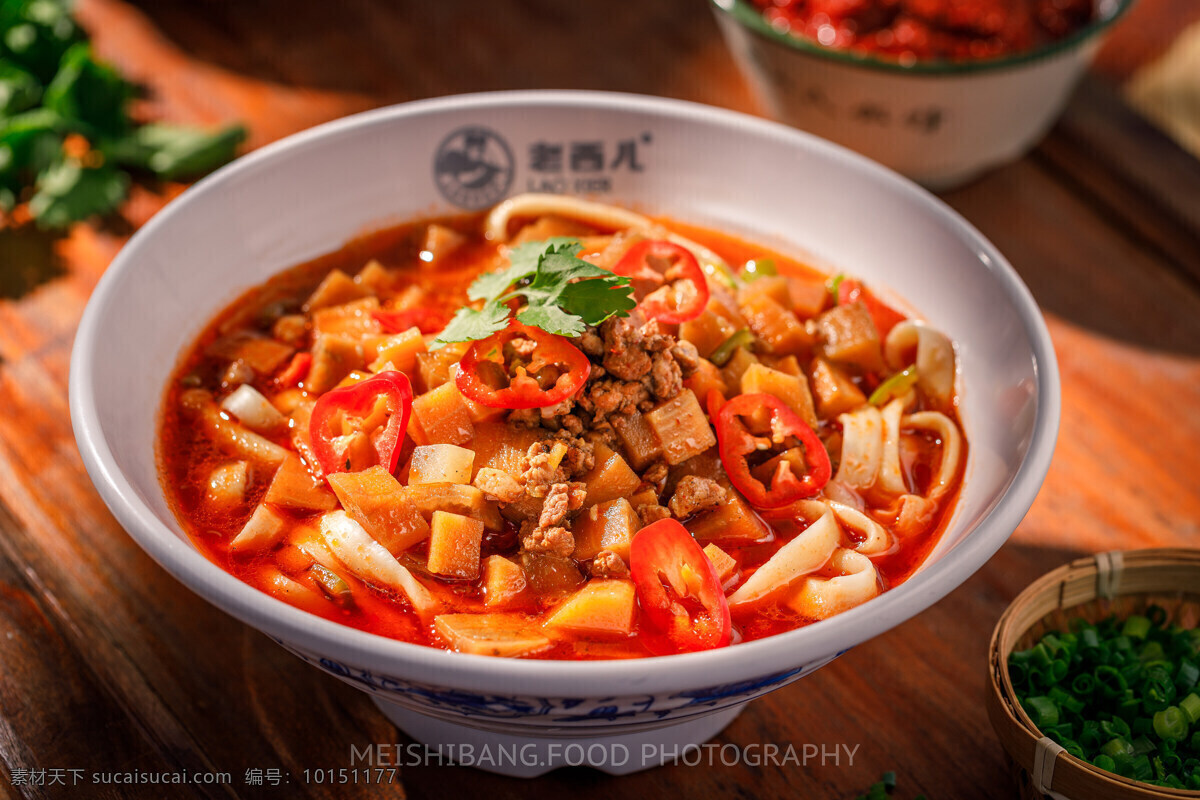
891, 475
934, 358
806, 553
862, 447
875, 539
820, 598
945, 429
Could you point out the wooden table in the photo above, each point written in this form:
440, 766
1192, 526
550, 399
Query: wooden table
108, 664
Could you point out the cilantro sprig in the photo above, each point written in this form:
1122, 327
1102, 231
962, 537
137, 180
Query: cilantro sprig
558, 291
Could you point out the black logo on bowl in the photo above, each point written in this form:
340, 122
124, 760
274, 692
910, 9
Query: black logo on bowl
473, 167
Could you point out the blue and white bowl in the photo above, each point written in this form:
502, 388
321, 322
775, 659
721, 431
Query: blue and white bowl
308, 194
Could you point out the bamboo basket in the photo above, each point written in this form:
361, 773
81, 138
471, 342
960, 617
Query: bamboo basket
1121, 583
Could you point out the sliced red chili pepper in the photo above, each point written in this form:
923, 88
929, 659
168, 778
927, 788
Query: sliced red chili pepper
678, 588
427, 320
783, 471
362, 425
522, 367
667, 280
884, 316
713, 402
296, 370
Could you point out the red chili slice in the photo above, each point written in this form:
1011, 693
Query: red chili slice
783, 483
427, 320
884, 316
678, 588
374, 411
551, 370
296, 370
656, 267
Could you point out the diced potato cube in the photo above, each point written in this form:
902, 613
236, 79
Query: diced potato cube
610, 478
848, 335
400, 351
457, 498
724, 306
351, 319
442, 417
264, 528
375, 499
501, 446
682, 427
454, 542
261, 354
374, 277
600, 608
775, 326
440, 463
434, 368
786, 364
550, 576
791, 389
504, 583
337, 288
737, 365
834, 392
706, 332
732, 520
607, 526
334, 357
294, 487
644, 496
773, 286
441, 241
705, 379
725, 564
808, 295
507, 635
638, 439
227, 485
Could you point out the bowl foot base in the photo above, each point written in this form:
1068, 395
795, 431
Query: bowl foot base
527, 756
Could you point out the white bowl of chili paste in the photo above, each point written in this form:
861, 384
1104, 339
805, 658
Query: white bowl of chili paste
938, 90
298, 448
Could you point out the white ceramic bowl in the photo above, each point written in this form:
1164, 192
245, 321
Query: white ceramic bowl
940, 124
304, 196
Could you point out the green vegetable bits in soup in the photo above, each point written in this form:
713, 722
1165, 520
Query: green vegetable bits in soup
564, 430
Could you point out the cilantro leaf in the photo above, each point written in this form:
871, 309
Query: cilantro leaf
68, 191
18, 89
551, 319
597, 299
89, 94
470, 324
176, 151
524, 259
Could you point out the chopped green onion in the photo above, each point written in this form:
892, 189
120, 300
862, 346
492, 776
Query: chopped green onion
758, 268
894, 386
833, 284
740, 338
1187, 676
1190, 706
1041, 710
1117, 747
1136, 627
1171, 723
333, 585
1105, 763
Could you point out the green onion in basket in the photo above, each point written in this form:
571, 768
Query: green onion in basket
1120, 694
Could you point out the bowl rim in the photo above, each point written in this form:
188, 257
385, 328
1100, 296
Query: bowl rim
743, 12
542, 678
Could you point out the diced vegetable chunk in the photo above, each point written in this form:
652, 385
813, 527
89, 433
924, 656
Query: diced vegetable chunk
775, 326
610, 478
400, 350
434, 369
294, 487
791, 389
337, 288
706, 331
600, 608
682, 427
440, 463
504, 583
549, 575
371, 562
737, 365
442, 416
725, 564
228, 435
506, 635
227, 485
334, 357
263, 529
732, 520
377, 501
454, 543
351, 319
607, 526
253, 410
848, 335
456, 498
639, 442
261, 354
705, 379
833, 390
501, 446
